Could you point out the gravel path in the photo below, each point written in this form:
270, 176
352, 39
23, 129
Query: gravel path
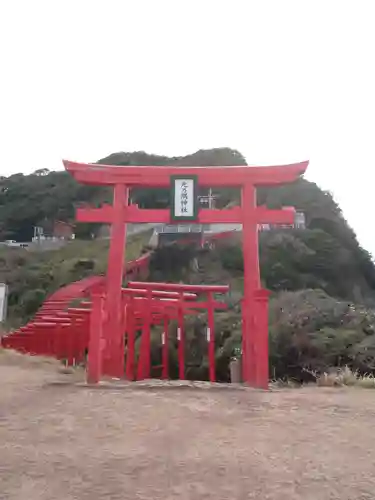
63, 442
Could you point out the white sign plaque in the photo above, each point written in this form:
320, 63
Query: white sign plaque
184, 199
3, 301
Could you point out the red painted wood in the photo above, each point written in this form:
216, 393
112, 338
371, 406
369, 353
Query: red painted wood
94, 367
147, 333
181, 344
115, 272
180, 287
69, 340
251, 283
211, 339
165, 349
262, 367
264, 215
141, 304
144, 362
208, 176
156, 293
133, 214
130, 347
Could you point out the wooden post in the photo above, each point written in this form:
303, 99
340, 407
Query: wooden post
165, 352
148, 321
211, 337
262, 368
181, 339
114, 357
94, 366
120, 214
251, 280
143, 368
130, 337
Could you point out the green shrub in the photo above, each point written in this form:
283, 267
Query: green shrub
32, 300
231, 257
171, 262
312, 332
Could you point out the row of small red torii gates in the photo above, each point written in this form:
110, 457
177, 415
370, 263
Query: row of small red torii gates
145, 305
165, 301
66, 332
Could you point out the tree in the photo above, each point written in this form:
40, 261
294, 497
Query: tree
41, 172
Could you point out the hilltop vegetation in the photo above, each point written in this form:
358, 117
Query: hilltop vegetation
310, 331
323, 282
326, 255
32, 276
43, 197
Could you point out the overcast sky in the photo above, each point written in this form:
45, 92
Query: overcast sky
281, 81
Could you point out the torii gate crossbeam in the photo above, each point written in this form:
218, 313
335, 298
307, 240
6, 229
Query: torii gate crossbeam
123, 178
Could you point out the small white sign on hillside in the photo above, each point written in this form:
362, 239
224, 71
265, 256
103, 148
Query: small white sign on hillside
3, 301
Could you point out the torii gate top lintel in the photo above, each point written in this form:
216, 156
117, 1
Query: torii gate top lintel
248, 213
154, 176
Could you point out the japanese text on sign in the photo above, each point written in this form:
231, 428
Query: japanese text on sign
184, 198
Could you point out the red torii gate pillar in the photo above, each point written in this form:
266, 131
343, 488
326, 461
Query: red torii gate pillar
254, 312
114, 351
251, 283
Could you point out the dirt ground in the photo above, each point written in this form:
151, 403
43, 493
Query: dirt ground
66, 442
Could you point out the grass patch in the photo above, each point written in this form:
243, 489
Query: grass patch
33, 276
95, 250
345, 377
11, 357
341, 377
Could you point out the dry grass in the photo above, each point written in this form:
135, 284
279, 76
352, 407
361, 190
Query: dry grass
11, 358
97, 250
64, 442
14, 358
345, 377
339, 377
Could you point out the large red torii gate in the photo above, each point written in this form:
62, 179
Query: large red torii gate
123, 178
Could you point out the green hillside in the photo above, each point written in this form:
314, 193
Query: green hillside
323, 282
32, 276
43, 197
326, 255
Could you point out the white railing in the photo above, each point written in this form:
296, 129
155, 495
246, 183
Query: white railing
180, 228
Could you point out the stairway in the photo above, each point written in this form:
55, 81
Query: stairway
60, 328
